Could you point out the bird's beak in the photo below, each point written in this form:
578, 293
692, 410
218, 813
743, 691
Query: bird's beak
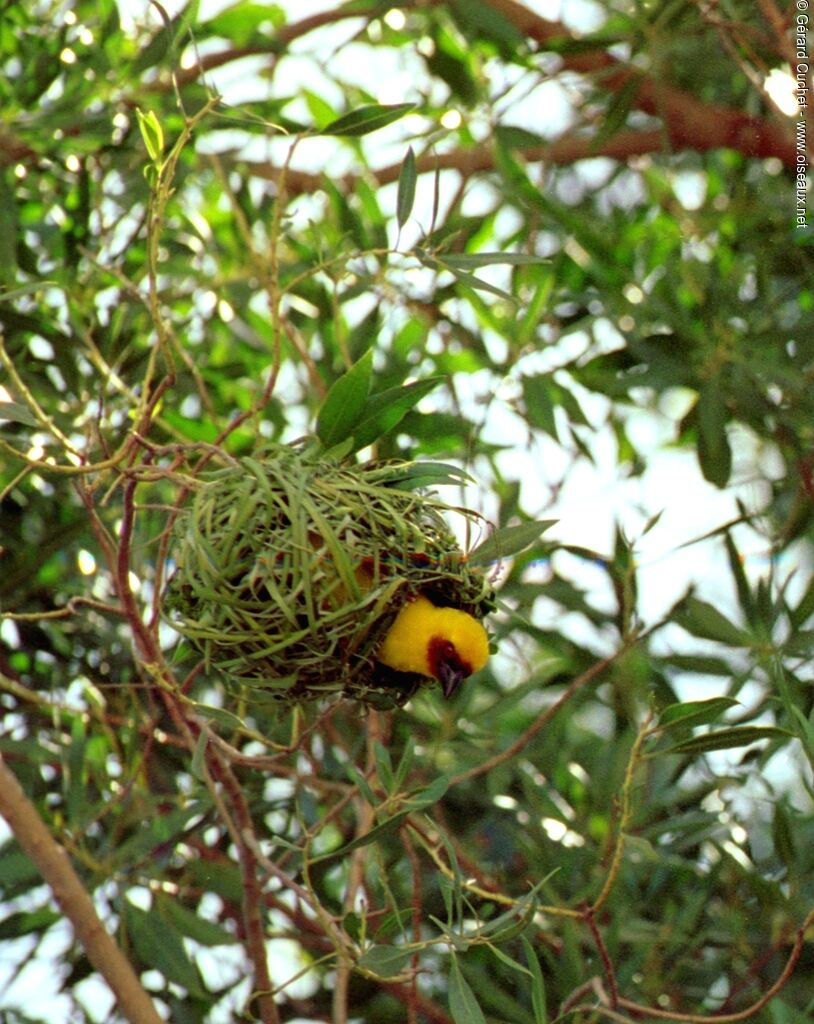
450, 676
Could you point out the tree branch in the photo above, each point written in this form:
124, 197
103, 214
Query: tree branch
473, 161
689, 123
74, 901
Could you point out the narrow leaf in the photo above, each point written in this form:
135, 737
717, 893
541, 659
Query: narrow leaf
704, 620
695, 712
509, 541
384, 766
429, 795
14, 926
745, 598
345, 402
462, 1003
538, 1000
539, 393
188, 923
473, 260
714, 452
386, 961
17, 413
160, 947
482, 19
620, 105
426, 474
468, 279
386, 409
386, 828
725, 739
218, 715
12, 294
367, 119
406, 191
152, 134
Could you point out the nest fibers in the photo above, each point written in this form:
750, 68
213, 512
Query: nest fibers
291, 570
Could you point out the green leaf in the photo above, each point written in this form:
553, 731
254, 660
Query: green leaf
367, 119
386, 828
725, 739
191, 429
538, 998
152, 133
17, 413
385, 410
345, 402
242, 23
473, 260
188, 923
156, 831
32, 288
805, 729
714, 452
804, 609
617, 110
514, 137
386, 961
220, 716
745, 598
15, 925
510, 540
484, 20
405, 764
164, 39
783, 835
704, 620
197, 765
358, 779
538, 390
413, 475
384, 766
704, 664
462, 1003
695, 712
161, 948
440, 263
406, 189
429, 795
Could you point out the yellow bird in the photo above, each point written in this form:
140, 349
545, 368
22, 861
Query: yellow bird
446, 644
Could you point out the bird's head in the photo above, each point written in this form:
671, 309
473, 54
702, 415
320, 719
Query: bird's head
446, 644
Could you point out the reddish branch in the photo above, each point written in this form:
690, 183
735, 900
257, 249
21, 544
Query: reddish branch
686, 122
252, 891
689, 123
472, 161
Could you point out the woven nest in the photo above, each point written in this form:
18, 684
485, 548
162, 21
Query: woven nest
291, 570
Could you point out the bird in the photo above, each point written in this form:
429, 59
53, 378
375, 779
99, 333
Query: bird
446, 644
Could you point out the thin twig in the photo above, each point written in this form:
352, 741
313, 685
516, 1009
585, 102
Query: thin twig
252, 893
624, 816
539, 723
607, 963
639, 1010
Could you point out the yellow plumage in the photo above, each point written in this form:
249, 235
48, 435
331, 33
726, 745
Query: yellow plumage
446, 644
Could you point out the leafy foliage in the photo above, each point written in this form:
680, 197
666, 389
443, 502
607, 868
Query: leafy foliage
559, 253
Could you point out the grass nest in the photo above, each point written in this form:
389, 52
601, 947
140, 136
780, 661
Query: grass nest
291, 568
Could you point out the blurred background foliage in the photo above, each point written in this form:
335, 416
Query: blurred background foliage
569, 240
